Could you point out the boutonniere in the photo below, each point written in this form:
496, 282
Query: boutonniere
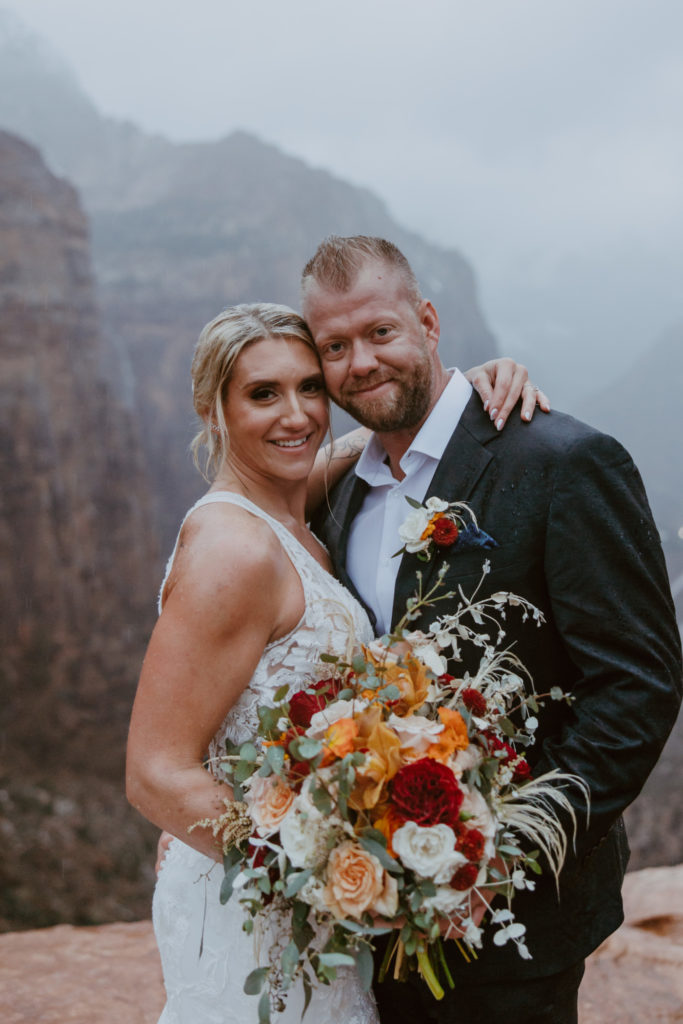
441, 525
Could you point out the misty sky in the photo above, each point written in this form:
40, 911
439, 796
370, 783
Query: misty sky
542, 138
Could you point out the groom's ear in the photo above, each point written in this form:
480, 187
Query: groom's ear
429, 320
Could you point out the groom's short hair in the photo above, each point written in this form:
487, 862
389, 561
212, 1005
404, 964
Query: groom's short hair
338, 260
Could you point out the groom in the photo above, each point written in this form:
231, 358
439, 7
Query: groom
574, 536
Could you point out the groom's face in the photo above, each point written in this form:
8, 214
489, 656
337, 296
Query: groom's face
377, 346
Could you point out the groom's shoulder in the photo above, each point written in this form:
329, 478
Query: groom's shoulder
554, 435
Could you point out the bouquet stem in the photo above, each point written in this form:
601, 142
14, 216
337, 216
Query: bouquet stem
428, 973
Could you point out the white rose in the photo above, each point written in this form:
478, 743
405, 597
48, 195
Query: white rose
412, 529
428, 851
322, 720
304, 831
415, 732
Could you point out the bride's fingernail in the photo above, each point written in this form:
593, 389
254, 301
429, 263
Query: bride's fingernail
486, 405
499, 425
493, 413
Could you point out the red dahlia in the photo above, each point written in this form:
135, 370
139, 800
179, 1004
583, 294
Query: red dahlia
445, 532
522, 771
471, 843
474, 701
465, 877
427, 793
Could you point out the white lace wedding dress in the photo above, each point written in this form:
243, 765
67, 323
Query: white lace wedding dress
205, 954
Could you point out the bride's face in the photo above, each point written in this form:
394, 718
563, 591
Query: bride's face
276, 409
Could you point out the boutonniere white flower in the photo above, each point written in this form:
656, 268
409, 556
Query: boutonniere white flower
440, 524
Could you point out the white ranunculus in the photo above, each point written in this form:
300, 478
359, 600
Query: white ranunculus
427, 652
305, 830
429, 851
445, 900
415, 732
436, 505
412, 529
475, 805
465, 759
322, 720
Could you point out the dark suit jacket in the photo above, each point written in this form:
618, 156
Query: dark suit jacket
576, 537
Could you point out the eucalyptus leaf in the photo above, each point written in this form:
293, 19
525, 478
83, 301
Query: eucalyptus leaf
276, 758
390, 692
254, 981
228, 882
365, 966
281, 693
264, 1008
290, 958
381, 854
296, 881
336, 960
248, 752
308, 748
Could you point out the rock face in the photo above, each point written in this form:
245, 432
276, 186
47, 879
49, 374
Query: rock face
77, 552
111, 974
180, 231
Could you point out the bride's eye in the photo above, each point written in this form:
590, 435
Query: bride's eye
262, 394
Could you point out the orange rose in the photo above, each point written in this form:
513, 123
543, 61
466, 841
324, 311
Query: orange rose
356, 882
387, 825
409, 676
454, 736
339, 739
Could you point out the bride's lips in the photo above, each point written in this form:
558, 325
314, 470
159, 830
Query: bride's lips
291, 444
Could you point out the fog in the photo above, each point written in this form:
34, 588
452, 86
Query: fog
542, 138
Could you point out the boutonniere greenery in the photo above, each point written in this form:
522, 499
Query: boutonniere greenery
441, 525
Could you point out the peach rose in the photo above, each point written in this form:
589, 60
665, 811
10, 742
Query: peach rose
356, 882
269, 801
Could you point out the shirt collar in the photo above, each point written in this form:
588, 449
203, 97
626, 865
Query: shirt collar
430, 441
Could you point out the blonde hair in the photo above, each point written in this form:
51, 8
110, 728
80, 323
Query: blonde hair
339, 259
218, 348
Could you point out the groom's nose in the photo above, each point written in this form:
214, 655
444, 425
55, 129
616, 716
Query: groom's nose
363, 358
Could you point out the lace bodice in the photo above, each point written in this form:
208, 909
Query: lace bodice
333, 622
205, 953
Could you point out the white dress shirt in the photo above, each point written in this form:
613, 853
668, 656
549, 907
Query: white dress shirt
373, 537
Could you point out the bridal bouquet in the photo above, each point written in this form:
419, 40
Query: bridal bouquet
390, 796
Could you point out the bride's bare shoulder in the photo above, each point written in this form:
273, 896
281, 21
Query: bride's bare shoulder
221, 544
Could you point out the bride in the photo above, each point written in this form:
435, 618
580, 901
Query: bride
248, 603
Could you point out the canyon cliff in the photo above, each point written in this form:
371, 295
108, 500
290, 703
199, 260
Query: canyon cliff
77, 550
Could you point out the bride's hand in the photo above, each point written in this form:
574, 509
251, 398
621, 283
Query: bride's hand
499, 383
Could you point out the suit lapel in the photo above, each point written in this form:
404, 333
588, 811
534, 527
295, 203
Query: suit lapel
349, 497
460, 468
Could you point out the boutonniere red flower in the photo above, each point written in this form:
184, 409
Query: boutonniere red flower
441, 525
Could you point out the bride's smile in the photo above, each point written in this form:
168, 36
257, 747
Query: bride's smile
275, 410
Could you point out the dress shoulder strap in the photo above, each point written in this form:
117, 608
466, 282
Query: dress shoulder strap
288, 541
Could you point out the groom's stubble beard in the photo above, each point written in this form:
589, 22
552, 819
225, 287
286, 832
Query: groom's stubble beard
404, 407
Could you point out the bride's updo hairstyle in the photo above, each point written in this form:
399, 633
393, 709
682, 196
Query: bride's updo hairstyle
217, 350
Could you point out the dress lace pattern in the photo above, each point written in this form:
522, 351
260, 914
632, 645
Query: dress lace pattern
204, 952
